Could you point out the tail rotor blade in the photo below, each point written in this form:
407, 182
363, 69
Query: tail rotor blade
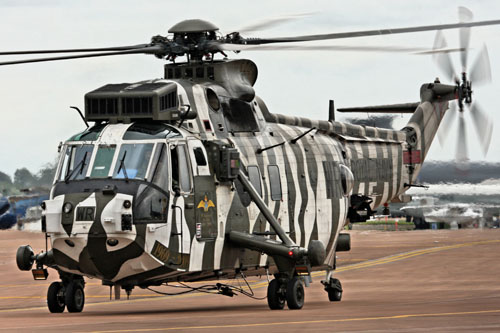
481, 71
443, 60
464, 16
462, 153
483, 125
446, 123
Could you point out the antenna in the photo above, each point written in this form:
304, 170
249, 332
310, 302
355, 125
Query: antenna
331, 111
81, 115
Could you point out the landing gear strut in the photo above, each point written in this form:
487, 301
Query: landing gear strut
281, 290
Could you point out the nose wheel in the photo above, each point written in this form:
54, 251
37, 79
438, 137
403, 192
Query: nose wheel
280, 291
69, 295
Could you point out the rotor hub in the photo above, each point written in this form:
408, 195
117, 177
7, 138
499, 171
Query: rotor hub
464, 90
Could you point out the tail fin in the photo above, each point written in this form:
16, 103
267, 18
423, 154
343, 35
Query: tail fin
425, 121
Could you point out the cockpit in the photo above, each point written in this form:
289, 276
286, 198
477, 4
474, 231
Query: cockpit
149, 161
136, 156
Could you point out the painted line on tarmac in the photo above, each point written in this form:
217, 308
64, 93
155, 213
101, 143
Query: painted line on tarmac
308, 322
86, 296
41, 285
365, 264
86, 283
406, 255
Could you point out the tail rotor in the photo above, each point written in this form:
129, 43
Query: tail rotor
480, 73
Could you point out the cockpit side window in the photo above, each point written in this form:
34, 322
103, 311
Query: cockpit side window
159, 171
151, 205
184, 169
181, 176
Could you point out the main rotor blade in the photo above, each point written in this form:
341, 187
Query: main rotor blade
443, 60
271, 22
155, 49
446, 123
98, 49
480, 72
367, 33
483, 125
461, 153
464, 16
279, 47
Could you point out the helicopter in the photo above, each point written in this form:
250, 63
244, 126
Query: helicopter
191, 178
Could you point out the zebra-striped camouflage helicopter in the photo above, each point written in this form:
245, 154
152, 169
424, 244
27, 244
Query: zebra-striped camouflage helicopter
192, 178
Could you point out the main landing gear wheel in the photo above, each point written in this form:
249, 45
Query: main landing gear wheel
295, 294
55, 297
275, 296
75, 297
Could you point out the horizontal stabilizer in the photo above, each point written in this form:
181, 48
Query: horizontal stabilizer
392, 108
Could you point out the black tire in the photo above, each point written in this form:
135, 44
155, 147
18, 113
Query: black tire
275, 299
75, 297
335, 293
295, 294
55, 297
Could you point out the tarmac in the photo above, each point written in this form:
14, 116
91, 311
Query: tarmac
406, 281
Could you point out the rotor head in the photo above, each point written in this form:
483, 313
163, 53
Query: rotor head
193, 26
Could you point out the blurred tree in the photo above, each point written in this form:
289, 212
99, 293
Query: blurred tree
45, 175
5, 178
23, 178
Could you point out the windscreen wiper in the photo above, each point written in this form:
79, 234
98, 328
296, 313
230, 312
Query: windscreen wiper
80, 166
122, 166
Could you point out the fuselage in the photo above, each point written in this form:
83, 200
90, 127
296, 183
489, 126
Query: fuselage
141, 202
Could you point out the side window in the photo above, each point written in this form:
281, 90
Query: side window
175, 168
274, 178
181, 176
151, 205
254, 175
199, 156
